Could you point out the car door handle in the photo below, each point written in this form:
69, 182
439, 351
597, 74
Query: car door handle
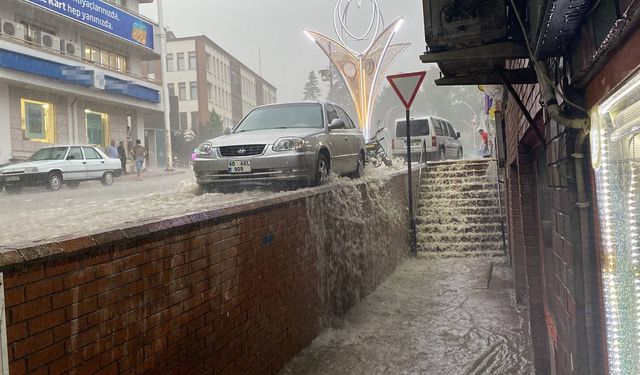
346, 138
102, 162
84, 162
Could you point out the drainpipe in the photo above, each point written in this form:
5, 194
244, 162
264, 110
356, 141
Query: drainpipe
583, 124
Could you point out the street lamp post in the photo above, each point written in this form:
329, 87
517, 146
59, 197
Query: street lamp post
165, 88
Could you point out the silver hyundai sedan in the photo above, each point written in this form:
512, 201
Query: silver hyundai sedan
297, 142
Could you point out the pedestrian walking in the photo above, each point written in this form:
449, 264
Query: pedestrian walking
139, 153
112, 150
484, 147
122, 153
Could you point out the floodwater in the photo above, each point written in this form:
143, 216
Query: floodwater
431, 316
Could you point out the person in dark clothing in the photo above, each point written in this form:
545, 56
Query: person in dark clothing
123, 157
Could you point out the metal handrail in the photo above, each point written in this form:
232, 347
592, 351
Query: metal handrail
419, 186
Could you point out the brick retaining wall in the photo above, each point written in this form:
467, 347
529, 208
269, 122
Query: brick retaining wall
235, 290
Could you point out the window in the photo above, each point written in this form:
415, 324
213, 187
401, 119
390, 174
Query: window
90, 153
170, 63
331, 114
418, 128
37, 121
194, 119
210, 91
209, 62
183, 120
192, 61
105, 58
438, 127
180, 57
452, 132
96, 128
193, 90
172, 89
182, 91
346, 118
75, 153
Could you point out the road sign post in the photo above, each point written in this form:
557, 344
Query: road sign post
407, 86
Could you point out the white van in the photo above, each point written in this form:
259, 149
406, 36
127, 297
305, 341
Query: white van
434, 136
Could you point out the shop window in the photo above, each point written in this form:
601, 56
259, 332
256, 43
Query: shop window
615, 153
192, 61
194, 119
172, 89
184, 120
38, 121
97, 128
105, 58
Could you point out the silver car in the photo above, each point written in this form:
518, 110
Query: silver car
297, 142
52, 167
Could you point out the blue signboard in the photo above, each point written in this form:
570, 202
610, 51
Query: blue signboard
102, 16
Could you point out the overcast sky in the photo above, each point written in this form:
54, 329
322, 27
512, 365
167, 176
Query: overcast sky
275, 27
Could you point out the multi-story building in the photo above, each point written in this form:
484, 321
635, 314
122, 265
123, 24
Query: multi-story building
70, 72
207, 78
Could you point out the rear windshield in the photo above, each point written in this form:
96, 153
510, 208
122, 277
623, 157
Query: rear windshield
418, 128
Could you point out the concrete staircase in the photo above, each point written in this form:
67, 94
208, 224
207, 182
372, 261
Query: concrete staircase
459, 213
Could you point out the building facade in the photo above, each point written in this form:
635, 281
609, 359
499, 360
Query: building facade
207, 78
71, 72
569, 126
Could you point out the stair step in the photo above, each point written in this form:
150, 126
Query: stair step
465, 197
454, 238
443, 180
459, 186
460, 228
459, 220
468, 247
459, 211
459, 254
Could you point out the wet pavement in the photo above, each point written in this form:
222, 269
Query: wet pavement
431, 316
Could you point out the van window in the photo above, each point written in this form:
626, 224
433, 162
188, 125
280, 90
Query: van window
437, 124
452, 132
419, 128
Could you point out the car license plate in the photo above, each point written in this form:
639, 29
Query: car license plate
12, 178
239, 166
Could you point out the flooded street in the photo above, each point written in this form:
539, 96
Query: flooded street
432, 316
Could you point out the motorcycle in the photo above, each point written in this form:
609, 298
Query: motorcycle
376, 155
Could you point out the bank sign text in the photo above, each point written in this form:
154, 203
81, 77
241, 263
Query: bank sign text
104, 17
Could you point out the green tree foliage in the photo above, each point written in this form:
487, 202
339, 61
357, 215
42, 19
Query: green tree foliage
214, 126
311, 89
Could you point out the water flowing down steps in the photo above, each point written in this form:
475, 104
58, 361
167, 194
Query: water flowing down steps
459, 210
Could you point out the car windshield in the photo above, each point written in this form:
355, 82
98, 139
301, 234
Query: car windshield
51, 153
283, 117
418, 128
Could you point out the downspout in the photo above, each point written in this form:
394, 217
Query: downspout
583, 124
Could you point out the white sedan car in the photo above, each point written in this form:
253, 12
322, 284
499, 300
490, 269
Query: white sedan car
54, 166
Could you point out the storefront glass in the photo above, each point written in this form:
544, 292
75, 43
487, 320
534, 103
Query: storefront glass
615, 138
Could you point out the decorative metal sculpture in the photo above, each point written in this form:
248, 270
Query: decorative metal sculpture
363, 72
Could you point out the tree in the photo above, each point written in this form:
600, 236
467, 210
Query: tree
311, 89
213, 126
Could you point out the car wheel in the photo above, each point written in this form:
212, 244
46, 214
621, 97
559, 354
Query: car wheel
107, 179
359, 168
460, 153
322, 169
13, 189
54, 181
73, 184
442, 154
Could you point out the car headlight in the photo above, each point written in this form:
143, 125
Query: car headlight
288, 144
31, 170
205, 149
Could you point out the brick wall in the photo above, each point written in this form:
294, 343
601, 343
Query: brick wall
238, 290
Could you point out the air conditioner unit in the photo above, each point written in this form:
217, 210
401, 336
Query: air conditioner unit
50, 41
71, 48
13, 29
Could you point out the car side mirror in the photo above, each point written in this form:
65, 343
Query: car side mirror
336, 124
458, 135
227, 131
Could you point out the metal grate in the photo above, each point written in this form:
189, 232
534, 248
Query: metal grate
243, 150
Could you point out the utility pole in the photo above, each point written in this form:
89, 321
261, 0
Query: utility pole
165, 87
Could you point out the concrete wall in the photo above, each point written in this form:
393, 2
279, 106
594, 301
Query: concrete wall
240, 289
